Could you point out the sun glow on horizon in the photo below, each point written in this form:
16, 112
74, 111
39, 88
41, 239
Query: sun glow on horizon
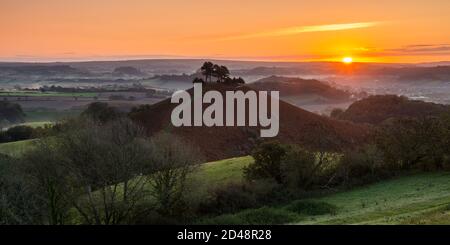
347, 60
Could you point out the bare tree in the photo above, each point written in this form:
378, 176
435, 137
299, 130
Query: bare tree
105, 166
172, 160
46, 178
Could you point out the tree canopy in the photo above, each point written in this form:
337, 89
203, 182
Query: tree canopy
11, 113
220, 72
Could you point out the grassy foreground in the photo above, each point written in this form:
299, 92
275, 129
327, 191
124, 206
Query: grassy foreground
416, 199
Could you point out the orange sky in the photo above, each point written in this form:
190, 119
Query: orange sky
380, 31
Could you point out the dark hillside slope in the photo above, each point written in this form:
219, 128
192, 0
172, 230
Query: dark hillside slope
377, 108
296, 126
302, 91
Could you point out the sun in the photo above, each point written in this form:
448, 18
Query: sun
347, 60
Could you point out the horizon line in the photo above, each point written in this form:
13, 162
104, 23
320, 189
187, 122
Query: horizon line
203, 58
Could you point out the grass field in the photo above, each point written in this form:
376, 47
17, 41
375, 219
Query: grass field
415, 199
213, 174
45, 94
16, 148
407, 199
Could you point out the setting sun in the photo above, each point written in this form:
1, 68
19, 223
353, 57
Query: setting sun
347, 60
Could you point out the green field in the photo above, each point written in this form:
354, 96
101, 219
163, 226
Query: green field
46, 94
408, 199
214, 174
16, 148
415, 199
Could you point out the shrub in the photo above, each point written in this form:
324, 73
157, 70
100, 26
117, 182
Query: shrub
412, 143
101, 112
298, 168
361, 166
229, 198
267, 162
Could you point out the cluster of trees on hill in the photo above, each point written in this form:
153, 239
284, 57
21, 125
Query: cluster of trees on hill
221, 73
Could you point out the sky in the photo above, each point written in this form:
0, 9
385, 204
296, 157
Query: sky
274, 30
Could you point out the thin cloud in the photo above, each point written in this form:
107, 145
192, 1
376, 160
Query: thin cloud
412, 50
300, 29
423, 48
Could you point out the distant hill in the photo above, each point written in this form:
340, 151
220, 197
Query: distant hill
296, 126
128, 71
378, 108
302, 91
438, 73
41, 70
267, 71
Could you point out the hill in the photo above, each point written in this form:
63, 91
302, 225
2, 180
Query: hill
127, 71
41, 70
302, 91
376, 109
296, 126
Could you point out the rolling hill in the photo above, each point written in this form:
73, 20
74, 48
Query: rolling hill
377, 108
302, 91
296, 126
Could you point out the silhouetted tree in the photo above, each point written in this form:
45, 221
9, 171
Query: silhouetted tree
207, 70
221, 72
101, 112
268, 156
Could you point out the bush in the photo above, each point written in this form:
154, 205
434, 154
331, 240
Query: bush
298, 168
413, 143
101, 112
311, 208
361, 166
229, 198
267, 162
238, 196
